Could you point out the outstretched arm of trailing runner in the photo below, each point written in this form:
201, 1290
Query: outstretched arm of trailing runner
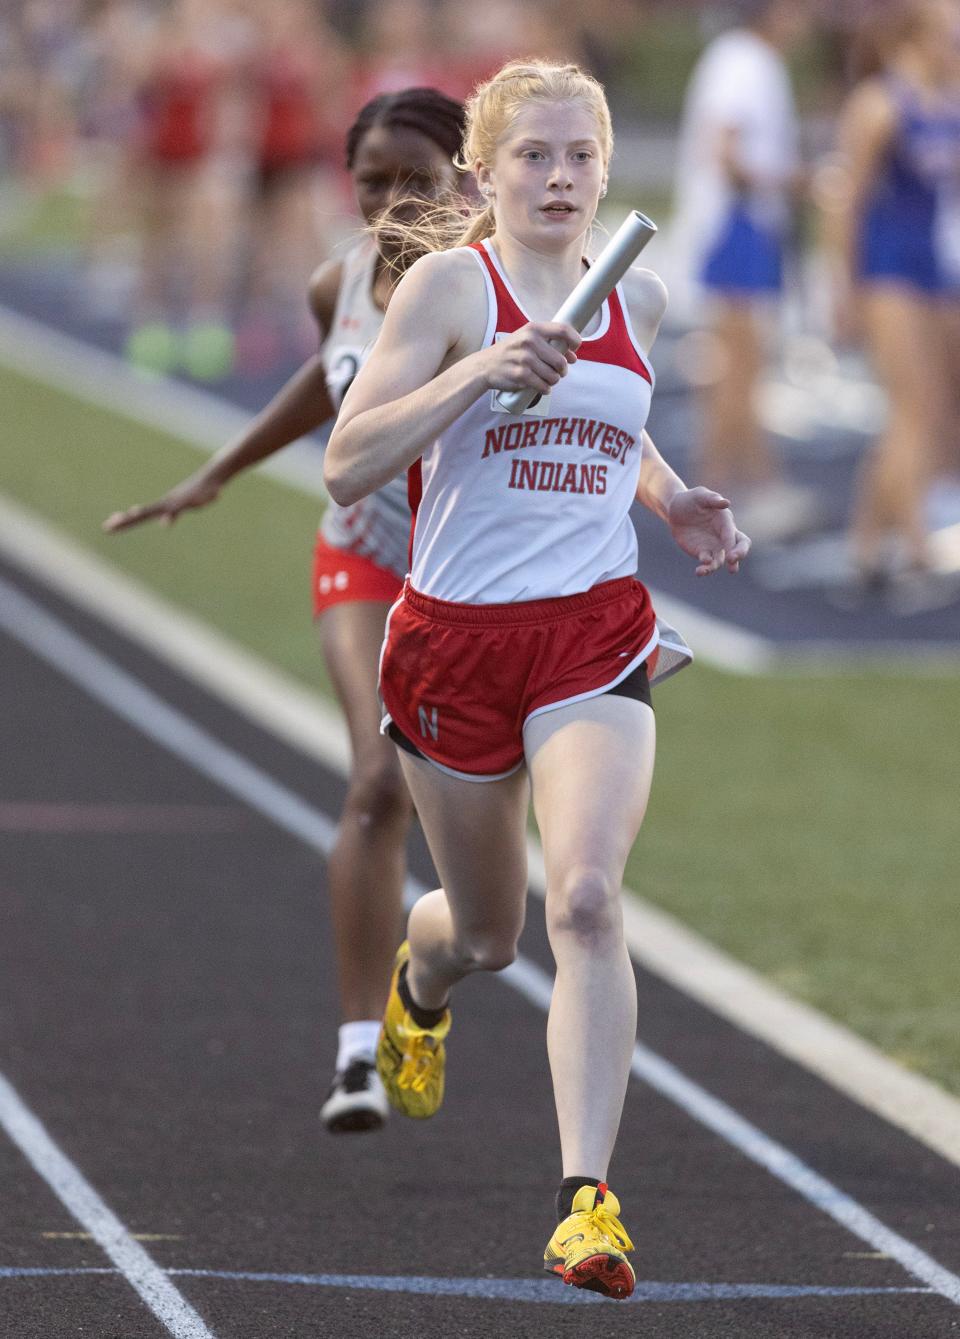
298, 408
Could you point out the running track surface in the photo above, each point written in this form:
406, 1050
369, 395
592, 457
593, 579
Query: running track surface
169, 1016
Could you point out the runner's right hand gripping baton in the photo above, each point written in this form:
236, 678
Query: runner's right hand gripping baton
592, 290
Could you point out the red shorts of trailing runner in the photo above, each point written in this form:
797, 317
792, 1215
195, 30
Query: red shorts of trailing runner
460, 681
341, 577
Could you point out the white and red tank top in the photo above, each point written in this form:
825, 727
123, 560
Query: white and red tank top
527, 507
378, 526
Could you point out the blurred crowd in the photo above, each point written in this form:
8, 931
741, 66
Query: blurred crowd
208, 136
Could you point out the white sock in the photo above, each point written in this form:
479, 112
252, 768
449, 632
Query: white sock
357, 1041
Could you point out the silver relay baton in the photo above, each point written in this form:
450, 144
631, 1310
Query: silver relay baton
591, 292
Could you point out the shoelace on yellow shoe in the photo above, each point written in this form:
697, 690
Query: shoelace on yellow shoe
419, 1054
606, 1222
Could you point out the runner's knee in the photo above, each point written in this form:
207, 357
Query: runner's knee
378, 795
489, 950
586, 905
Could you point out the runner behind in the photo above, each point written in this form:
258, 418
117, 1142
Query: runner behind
400, 149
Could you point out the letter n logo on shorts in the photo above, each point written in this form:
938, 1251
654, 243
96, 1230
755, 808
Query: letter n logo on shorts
429, 724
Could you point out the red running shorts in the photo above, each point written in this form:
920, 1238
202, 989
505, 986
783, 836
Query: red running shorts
461, 680
340, 577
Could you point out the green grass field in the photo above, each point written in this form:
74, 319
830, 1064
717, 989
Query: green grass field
805, 824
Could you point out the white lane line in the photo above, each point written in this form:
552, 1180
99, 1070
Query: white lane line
124, 695
79, 1197
658, 941
105, 381
119, 691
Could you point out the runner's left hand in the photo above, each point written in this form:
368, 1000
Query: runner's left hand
702, 524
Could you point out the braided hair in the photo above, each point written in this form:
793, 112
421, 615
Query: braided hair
425, 110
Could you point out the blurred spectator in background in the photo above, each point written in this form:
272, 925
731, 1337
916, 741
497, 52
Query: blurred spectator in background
298, 89
187, 195
401, 48
188, 151
118, 36
738, 173
45, 54
15, 103
41, 45
896, 228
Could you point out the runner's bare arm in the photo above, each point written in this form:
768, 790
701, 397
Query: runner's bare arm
700, 520
322, 292
427, 368
646, 295
298, 408
658, 484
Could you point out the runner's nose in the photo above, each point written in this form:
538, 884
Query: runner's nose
559, 178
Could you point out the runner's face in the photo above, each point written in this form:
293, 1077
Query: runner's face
547, 173
393, 164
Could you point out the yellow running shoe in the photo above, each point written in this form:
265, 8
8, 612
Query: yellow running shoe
588, 1247
410, 1059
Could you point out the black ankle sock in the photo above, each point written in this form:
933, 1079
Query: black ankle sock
568, 1188
422, 1017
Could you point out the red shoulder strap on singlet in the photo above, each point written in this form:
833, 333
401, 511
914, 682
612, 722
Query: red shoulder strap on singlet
509, 315
615, 345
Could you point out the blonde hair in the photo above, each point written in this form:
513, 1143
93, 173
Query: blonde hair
491, 110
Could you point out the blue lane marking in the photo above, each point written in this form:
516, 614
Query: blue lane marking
540, 1291
27, 1272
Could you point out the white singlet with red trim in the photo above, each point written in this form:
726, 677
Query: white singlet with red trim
378, 526
528, 507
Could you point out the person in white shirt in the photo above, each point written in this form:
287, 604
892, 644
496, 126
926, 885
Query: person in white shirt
738, 170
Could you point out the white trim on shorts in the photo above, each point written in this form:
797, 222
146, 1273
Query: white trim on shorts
635, 663
670, 640
452, 771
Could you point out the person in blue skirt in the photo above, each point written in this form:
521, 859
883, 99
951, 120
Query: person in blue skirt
897, 249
